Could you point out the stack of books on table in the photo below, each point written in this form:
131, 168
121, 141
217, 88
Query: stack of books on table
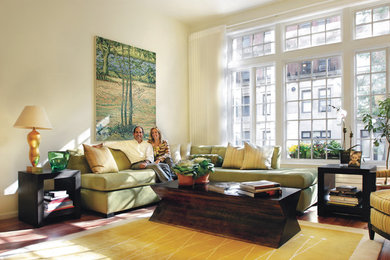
261, 188
56, 200
345, 195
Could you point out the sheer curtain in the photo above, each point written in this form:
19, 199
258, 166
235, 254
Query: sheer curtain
207, 95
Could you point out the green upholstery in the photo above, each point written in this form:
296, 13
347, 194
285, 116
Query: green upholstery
119, 200
200, 149
108, 193
79, 162
121, 159
287, 177
121, 180
219, 149
276, 157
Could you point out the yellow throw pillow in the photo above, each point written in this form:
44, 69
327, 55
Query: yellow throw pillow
100, 159
257, 157
233, 157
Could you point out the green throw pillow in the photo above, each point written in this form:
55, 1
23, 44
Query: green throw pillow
216, 159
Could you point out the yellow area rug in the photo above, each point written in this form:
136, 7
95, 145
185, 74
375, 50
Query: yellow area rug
143, 239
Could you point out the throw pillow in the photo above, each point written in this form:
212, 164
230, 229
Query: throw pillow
185, 151
79, 162
175, 152
121, 159
100, 159
215, 158
234, 157
257, 157
276, 157
200, 149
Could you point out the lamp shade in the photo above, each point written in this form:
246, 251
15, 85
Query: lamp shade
33, 117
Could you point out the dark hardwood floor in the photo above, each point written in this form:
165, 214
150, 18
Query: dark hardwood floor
16, 234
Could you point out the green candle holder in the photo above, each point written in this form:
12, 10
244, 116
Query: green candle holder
58, 160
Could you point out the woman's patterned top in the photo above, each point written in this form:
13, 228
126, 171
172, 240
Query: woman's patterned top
161, 152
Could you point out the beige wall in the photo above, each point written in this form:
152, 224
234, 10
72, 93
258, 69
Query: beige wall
47, 58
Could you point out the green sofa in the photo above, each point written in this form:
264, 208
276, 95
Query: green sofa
301, 178
108, 193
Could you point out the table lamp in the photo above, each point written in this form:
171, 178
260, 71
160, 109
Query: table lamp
33, 117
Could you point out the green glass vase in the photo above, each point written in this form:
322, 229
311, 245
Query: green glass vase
58, 160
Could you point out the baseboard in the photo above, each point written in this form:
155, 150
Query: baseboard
8, 215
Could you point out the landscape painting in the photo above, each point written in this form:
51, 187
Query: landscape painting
125, 90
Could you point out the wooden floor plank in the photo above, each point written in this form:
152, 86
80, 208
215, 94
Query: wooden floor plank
15, 234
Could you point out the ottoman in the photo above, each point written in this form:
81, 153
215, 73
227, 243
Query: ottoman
379, 214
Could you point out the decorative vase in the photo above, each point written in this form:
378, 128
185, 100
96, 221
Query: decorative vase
58, 160
203, 179
344, 157
185, 180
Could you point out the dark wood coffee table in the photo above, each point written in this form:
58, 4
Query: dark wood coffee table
265, 221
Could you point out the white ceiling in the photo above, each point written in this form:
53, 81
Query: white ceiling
192, 11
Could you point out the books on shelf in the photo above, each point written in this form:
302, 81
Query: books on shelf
56, 193
346, 188
256, 185
60, 204
345, 195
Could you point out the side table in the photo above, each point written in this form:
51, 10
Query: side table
326, 181
31, 191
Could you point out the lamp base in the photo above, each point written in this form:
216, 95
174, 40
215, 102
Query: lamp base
34, 169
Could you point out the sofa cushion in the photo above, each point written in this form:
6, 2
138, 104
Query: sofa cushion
79, 162
234, 157
121, 159
276, 157
185, 150
116, 181
219, 149
200, 149
100, 159
257, 157
288, 177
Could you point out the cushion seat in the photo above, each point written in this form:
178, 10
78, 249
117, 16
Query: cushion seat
380, 213
116, 181
287, 177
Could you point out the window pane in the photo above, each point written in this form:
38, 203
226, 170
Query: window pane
304, 41
379, 83
334, 84
333, 36
381, 28
292, 91
291, 31
363, 16
363, 105
334, 65
363, 62
333, 23
318, 39
318, 26
381, 13
304, 29
378, 62
363, 31
258, 38
319, 67
292, 44
293, 71
269, 36
292, 110
363, 84
258, 50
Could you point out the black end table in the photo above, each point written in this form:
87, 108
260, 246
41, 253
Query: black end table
326, 181
31, 191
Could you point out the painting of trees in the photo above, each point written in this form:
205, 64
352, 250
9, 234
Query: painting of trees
125, 89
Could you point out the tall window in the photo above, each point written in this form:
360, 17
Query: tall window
253, 102
253, 45
370, 87
313, 131
313, 33
372, 22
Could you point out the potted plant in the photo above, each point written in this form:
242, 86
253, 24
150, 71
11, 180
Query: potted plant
193, 171
379, 124
203, 167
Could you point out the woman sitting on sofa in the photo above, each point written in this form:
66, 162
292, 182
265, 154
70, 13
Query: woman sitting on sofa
161, 149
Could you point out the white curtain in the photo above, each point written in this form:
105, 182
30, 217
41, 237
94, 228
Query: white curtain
207, 97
